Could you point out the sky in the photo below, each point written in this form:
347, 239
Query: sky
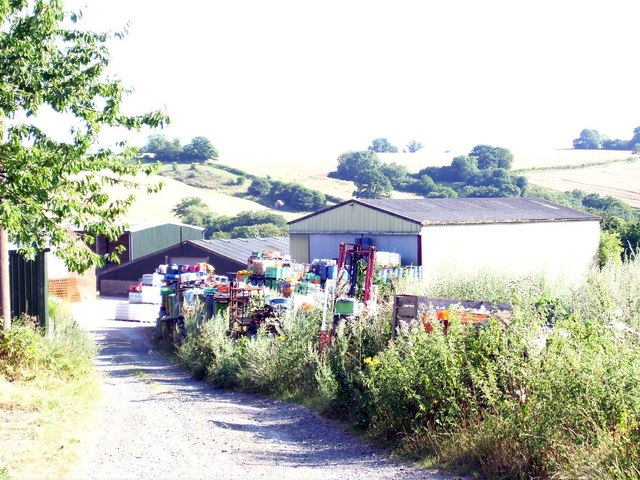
301, 79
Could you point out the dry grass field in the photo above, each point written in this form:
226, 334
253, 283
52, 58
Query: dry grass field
619, 180
157, 207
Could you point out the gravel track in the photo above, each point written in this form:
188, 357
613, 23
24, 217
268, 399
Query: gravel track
157, 422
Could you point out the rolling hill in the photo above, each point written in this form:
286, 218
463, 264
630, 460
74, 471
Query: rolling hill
615, 173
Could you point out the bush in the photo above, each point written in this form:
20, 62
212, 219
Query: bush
555, 393
25, 352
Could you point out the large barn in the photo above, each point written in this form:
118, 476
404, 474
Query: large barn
505, 235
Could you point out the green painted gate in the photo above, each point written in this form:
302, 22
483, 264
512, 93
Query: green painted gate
29, 292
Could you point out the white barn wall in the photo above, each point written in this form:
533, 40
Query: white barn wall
561, 250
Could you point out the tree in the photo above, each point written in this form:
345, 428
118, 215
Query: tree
614, 144
186, 203
464, 167
163, 149
351, 163
588, 140
630, 239
265, 223
635, 140
48, 183
492, 157
260, 187
426, 185
382, 145
372, 183
200, 150
413, 146
396, 173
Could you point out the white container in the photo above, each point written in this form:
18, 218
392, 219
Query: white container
152, 279
136, 312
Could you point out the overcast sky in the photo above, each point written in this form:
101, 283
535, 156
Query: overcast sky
290, 77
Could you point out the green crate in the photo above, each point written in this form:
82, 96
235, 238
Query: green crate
346, 306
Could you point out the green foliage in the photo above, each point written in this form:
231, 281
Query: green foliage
199, 149
46, 64
552, 393
262, 221
351, 163
610, 249
482, 173
296, 197
163, 149
21, 351
396, 173
489, 157
285, 364
630, 238
588, 140
382, 145
209, 352
193, 211
413, 146
635, 140
258, 230
591, 139
260, 187
26, 353
372, 183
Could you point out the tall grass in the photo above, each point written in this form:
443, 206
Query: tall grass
555, 393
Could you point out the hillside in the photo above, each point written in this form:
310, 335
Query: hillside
617, 173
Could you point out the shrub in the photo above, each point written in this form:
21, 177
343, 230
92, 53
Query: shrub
25, 352
555, 393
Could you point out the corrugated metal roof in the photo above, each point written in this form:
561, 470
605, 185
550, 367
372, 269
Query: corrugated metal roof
240, 249
137, 227
442, 211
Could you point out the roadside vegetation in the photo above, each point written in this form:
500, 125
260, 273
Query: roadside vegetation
48, 395
553, 394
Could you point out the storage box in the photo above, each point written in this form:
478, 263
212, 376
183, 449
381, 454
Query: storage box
152, 279
136, 312
274, 272
346, 306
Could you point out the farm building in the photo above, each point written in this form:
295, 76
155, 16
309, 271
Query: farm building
511, 235
225, 255
143, 239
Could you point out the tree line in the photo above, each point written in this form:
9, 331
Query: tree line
198, 150
194, 211
593, 140
484, 172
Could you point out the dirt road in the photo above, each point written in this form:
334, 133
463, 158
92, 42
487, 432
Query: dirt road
156, 422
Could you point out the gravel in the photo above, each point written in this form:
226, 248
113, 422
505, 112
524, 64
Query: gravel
157, 422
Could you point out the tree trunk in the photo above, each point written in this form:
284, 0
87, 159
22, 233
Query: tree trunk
5, 295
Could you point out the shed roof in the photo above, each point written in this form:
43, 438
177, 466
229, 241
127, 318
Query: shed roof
444, 211
139, 226
240, 249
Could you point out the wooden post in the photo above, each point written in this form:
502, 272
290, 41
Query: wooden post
5, 292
